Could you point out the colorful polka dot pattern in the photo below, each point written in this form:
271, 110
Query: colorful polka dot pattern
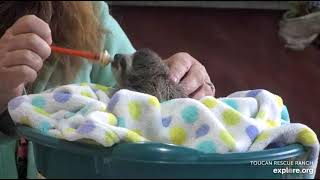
166, 121
211, 127
86, 127
253, 93
61, 97
231, 117
279, 101
103, 108
261, 115
107, 139
307, 137
138, 131
153, 101
102, 88
178, 135
16, 102
112, 120
39, 102
232, 103
252, 131
112, 136
272, 123
121, 122
70, 130
113, 101
285, 114
210, 102
135, 110
133, 137
203, 130
25, 121
227, 139
41, 111
190, 114
206, 147
44, 127
86, 94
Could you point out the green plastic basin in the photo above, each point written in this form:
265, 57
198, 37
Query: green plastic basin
56, 158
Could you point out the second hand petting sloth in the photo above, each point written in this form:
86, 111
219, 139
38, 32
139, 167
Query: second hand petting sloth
144, 71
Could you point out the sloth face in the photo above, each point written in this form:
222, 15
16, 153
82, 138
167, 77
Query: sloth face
143, 64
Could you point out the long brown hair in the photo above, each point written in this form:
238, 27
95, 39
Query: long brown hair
74, 24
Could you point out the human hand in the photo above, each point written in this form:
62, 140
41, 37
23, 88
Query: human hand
23, 48
191, 75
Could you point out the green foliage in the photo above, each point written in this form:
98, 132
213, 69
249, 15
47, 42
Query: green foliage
298, 8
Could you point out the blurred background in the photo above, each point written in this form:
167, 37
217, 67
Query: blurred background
238, 43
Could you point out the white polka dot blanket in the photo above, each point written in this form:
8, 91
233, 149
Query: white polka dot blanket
243, 121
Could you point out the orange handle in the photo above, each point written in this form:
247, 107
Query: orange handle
72, 52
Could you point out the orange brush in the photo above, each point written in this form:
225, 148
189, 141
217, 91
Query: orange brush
102, 58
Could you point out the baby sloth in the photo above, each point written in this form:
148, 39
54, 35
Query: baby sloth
144, 71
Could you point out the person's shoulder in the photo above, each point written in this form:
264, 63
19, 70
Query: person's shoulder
104, 7
104, 11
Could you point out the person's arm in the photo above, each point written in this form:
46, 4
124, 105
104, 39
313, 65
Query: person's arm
116, 41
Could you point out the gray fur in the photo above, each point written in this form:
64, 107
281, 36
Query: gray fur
145, 72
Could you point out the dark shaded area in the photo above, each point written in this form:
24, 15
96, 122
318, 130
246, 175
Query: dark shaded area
240, 49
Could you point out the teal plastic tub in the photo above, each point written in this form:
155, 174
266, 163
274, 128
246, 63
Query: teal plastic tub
63, 159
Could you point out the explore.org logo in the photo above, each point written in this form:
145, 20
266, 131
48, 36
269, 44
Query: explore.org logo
288, 169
